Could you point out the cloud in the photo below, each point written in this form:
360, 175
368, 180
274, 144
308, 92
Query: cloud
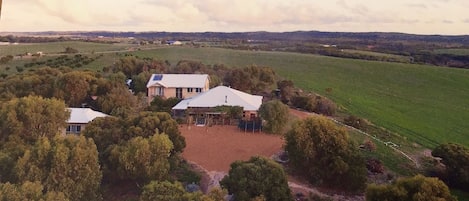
417, 5
419, 16
447, 21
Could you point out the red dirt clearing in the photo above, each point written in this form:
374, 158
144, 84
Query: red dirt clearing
216, 147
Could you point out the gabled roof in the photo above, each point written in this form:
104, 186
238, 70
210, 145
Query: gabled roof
220, 96
178, 80
83, 115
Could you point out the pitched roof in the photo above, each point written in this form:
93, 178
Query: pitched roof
178, 80
83, 115
220, 96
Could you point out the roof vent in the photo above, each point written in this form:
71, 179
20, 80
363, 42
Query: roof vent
226, 99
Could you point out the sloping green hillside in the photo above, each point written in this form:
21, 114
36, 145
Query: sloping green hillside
429, 105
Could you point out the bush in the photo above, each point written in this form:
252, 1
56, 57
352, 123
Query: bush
356, 122
374, 166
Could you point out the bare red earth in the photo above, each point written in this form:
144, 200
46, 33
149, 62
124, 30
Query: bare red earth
216, 147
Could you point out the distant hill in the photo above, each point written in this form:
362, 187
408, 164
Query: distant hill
261, 35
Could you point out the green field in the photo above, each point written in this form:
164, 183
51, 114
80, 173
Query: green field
58, 47
455, 51
427, 104
397, 58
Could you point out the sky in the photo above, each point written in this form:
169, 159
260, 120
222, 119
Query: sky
446, 17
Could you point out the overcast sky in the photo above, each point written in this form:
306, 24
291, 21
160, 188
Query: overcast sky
408, 16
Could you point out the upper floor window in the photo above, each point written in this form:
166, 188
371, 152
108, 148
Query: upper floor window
179, 93
160, 91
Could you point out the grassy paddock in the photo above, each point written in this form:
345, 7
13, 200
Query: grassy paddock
426, 104
452, 51
58, 47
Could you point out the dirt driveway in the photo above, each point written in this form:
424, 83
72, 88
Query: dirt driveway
216, 147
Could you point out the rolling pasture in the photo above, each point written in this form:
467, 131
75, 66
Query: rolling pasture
428, 105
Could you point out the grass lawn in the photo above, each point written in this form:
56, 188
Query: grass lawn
426, 104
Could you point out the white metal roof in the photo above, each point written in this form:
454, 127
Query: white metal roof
83, 115
220, 96
178, 80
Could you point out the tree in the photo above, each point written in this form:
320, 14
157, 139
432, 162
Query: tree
32, 191
146, 123
63, 164
70, 50
322, 151
160, 104
286, 88
257, 177
32, 117
410, 189
163, 191
275, 113
455, 157
143, 159
118, 102
74, 87
167, 191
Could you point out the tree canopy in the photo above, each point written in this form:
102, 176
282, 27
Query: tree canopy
63, 164
257, 177
32, 117
415, 188
455, 157
275, 113
322, 151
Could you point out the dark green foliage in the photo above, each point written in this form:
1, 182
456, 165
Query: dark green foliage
416, 188
275, 113
163, 191
317, 104
303, 102
233, 112
119, 101
32, 117
143, 159
70, 50
116, 138
286, 88
31, 191
6, 59
167, 191
63, 164
455, 157
325, 106
356, 122
257, 177
131, 66
251, 79
323, 153
160, 104
75, 87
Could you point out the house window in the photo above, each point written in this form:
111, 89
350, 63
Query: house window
198, 90
73, 129
160, 91
189, 90
179, 93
